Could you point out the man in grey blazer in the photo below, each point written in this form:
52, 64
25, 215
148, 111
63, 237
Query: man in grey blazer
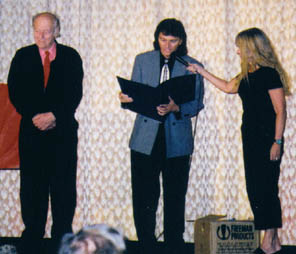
166, 147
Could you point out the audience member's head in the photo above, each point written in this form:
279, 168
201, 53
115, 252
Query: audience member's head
93, 239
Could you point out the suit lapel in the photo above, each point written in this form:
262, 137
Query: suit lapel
37, 66
178, 69
154, 69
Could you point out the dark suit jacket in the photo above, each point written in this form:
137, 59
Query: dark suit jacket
62, 94
178, 132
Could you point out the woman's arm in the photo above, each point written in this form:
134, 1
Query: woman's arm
279, 104
225, 86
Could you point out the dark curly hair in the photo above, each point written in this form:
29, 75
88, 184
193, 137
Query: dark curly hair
175, 28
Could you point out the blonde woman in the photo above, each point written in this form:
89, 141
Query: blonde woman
262, 86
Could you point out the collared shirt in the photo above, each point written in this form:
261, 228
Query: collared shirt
52, 53
171, 66
170, 63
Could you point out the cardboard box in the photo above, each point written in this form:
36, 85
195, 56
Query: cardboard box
213, 235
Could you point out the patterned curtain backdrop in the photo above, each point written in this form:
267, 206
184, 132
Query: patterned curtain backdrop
108, 34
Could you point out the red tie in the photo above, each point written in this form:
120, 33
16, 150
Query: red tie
46, 68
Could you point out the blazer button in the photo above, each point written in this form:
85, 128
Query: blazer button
145, 120
174, 123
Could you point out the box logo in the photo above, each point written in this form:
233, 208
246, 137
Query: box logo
223, 232
235, 232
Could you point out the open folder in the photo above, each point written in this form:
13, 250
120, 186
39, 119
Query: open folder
146, 98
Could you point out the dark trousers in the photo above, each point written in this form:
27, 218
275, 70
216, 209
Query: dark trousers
145, 171
262, 176
47, 167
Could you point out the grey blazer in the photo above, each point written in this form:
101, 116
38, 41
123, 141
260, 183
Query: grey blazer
178, 132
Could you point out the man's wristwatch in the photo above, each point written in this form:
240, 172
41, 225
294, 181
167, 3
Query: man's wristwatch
278, 141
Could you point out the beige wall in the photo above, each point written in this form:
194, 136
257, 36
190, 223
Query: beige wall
108, 34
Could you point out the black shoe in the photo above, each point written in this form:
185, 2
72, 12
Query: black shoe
258, 251
175, 249
148, 248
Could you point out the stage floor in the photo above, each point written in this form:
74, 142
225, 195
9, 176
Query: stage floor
132, 246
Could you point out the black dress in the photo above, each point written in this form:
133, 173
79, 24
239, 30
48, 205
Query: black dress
258, 130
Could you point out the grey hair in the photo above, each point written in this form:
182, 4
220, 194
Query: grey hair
55, 20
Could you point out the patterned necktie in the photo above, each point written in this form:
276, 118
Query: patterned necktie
165, 72
46, 68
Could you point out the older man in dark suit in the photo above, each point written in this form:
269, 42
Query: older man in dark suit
45, 86
165, 148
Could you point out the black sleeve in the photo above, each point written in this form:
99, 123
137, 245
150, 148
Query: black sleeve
272, 78
19, 93
72, 94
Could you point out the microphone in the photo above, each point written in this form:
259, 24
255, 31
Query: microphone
182, 61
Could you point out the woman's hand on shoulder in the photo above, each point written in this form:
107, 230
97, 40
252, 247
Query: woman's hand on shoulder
225, 86
194, 68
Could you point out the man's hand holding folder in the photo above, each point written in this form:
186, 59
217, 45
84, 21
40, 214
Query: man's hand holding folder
148, 100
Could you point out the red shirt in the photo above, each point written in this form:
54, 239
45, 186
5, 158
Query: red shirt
52, 53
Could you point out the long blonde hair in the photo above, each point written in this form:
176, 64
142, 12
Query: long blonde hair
256, 49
